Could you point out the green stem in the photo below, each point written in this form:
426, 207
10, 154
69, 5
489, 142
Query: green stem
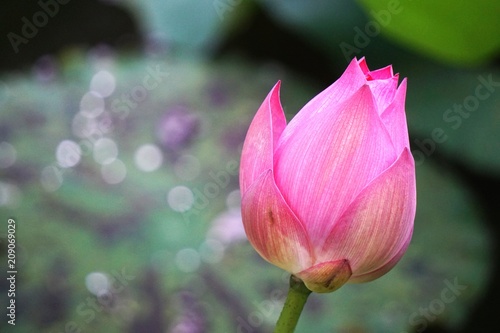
295, 301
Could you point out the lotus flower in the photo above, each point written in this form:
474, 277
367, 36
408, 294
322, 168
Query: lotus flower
331, 196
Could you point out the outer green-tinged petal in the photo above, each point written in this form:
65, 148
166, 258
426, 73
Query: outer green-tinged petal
326, 276
376, 229
323, 167
273, 229
262, 136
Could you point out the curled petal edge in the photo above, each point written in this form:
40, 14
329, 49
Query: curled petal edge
367, 277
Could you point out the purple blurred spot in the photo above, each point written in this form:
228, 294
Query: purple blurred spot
45, 69
177, 129
219, 93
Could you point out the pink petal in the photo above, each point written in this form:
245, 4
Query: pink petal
384, 91
352, 79
272, 228
363, 65
261, 139
394, 118
374, 231
367, 277
381, 73
324, 166
326, 276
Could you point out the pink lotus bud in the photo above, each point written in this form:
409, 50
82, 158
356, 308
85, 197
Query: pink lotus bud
331, 196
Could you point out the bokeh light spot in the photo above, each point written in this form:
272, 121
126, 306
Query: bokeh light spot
148, 157
105, 151
103, 83
68, 154
91, 104
82, 126
51, 178
211, 251
114, 172
180, 198
97, 283
227, 227
187, 260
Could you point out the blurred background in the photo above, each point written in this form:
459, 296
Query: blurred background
121, 126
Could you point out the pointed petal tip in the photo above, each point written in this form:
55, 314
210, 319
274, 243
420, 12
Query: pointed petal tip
274, 94
362, 64
404, 83
261, 139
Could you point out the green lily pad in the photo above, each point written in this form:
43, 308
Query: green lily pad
457, 32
